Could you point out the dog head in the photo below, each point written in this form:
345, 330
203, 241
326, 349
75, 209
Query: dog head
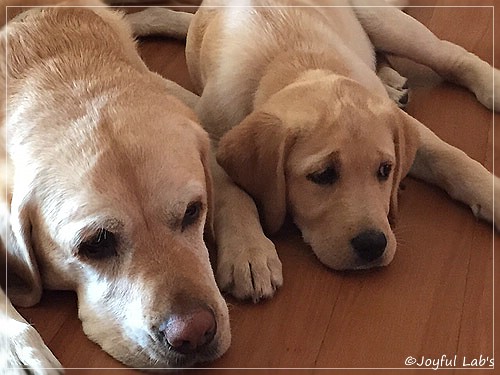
112, 199
332, 155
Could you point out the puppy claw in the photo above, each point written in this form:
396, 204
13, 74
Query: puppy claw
255, 273
483, 213
395, 85
488, 207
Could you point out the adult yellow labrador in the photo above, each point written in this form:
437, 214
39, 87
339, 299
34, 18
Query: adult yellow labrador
109, 194
307, 127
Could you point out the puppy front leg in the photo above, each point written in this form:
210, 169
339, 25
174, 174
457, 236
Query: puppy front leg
460, 176
393, 31
247, 263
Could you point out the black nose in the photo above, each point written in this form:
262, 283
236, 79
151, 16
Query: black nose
186, 333
369, 245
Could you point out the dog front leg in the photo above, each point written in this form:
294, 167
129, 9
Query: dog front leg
462, 177
247, 263
393, 31
22, 350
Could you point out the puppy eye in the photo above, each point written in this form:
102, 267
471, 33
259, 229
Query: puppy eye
384, 171
325, 177
193, 211
101, 246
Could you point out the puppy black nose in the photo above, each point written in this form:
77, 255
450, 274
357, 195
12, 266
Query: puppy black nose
185, 333
369, 245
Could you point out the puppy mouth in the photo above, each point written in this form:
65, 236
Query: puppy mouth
354, 263
382, 261
373, 264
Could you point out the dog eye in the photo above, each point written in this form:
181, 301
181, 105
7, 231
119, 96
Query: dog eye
193, 211
384, 171
102, 245
325, 177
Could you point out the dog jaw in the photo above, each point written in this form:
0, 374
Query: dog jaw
122, 330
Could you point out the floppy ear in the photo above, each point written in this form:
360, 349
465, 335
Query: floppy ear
406, 141
205, 154
24, 285
254, 154
209, 223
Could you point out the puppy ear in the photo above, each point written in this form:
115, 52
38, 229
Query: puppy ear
24, 285
406, 142
254, 154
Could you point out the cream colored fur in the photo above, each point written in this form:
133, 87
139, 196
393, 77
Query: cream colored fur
287, 93
97, 141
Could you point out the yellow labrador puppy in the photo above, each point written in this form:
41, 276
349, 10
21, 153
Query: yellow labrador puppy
307, 127
110, 194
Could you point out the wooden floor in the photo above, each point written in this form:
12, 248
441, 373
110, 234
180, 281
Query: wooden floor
435, 299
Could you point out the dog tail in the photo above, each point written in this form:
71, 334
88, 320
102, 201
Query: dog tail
160, 22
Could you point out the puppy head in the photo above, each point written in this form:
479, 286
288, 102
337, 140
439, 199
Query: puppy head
119, 217
332, 155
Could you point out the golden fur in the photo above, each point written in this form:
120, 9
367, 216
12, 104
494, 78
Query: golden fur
304, 124
98, 142
294, 92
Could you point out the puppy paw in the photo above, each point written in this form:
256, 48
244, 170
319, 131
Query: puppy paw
395, 85
480, 78
486, 210
488, 91
26, 351
251, 272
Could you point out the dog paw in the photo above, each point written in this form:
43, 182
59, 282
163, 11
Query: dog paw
254, 272
395, 85
26, 351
